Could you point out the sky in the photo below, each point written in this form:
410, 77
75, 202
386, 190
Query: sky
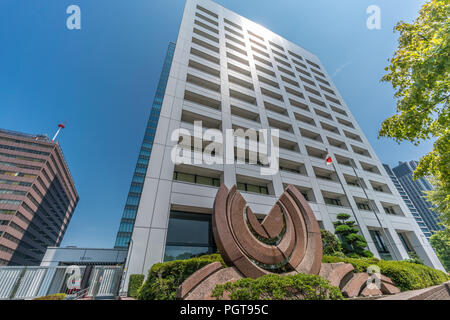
100, 80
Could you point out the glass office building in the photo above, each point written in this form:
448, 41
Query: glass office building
423, 226
416, 191
134, 195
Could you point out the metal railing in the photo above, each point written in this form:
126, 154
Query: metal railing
92, 282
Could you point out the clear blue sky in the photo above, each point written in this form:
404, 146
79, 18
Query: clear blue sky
101, 80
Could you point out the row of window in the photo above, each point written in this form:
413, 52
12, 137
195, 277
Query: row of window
18, 174
13, 192
282, 69
215, 182
252, 188
13, 202
13, 156
19, 149
15, 183
236, 33
190, 235
290, 90
193, 178
8, 212
18, 165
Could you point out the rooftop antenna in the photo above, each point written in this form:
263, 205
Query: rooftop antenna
60, 126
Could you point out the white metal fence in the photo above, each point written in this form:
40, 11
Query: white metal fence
75, 281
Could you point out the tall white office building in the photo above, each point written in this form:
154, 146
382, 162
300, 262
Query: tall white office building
232, 73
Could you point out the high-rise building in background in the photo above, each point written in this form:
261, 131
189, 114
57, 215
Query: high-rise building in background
415, 190
231, 73
37, 197
412, 208
134, 195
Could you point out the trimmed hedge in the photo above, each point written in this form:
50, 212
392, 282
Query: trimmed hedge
134, 284
275, 287
56, 296
406, 275
164, 278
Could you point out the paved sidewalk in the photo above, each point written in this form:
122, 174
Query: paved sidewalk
440, 292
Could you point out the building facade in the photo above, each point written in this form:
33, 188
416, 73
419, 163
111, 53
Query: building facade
231, 73
416, 191
412, 208
37, 197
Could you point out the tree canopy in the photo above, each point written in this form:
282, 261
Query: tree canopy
419, 74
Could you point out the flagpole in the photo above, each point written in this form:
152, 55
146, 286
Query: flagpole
345, 193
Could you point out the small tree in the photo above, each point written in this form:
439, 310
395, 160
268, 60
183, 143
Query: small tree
440, 241
331, 245
353, 243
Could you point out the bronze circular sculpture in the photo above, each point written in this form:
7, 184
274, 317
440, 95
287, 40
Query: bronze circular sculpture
288, 240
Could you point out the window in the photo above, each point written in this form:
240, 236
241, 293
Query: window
24, 150
133, 200
333, 202
206, 19
405, 243
363, 206
21, 157
255, 35
389, 210
234, 32
322, 80
295, 55
189, 235
193, 178
277, 46
212, 14
313, 64
13, 202
293, 170
207, 27
15, 183
18, 165
380, 244
252, 188
126, 226
232, 24
14, 192
7, 212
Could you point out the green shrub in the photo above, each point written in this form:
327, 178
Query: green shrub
412, 276
330, 243
406, 275
277, 287
414, 258
56, 296
134, 284
164, 278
